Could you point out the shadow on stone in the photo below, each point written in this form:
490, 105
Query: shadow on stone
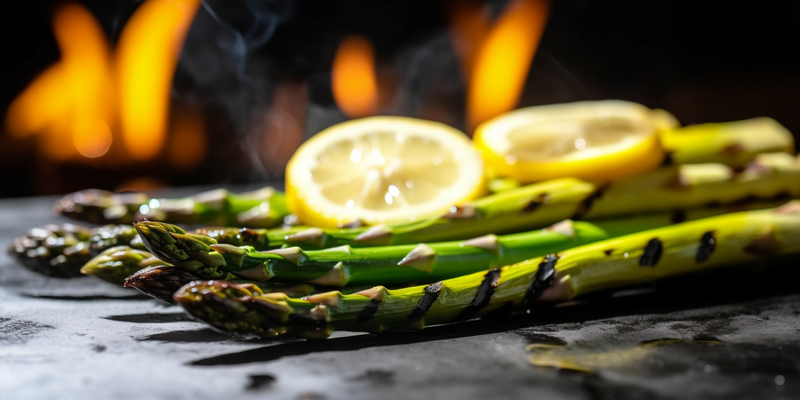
198, 336
150, 318
87, 298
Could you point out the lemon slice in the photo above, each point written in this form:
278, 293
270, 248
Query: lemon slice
593, 140
382, 170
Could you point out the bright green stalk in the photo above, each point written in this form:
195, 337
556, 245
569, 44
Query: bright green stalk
397, 265
263, 208
638, 258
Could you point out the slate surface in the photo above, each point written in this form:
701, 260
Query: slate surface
83, 339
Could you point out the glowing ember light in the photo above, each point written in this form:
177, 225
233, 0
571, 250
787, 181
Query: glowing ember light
353, 78
504, 59
92, 138
147, 53
187, 143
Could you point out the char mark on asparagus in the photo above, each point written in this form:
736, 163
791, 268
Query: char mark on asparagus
544, 277
426, 301
369, 311
652, 253
707, 245
484, 295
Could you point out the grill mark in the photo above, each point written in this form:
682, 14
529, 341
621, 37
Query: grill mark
652, 253
369, 311
426, 301
669, 159
544, 277
677, 216
587, 203
533, 205
247, 235
608, 252
707, 245
485, 292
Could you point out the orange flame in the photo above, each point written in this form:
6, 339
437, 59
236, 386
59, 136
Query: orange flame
70, 101
355, 88
504, 59
75, 104
146, 57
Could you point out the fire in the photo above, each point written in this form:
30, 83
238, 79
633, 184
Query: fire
70, 102
355, 87
91, 92
146, 57
497, 78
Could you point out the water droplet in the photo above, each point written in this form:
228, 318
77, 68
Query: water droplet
394, 191
350, 203
437, 160
144, 209
511, 159
625, 254
154, 203
580, 144
388, 198
355, 155
779, 380
410, 184
453, 209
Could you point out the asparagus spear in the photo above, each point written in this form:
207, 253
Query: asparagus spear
117, 263
398, 264
632, 259
129, 267
161, 282
676, 188
731, 143
340, 266
263, 208
61, 250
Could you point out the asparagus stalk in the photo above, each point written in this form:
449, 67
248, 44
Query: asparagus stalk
263, 208
117, 263
129, 267
731, 143
628, 260
675, 189
341, 266
61, 250
399, 264
161, 282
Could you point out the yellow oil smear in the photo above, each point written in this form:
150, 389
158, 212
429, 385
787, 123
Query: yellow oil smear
590, 361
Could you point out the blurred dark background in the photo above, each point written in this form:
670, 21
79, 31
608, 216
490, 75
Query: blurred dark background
257, 75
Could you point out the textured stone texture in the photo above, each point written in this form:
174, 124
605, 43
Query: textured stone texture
77, 339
